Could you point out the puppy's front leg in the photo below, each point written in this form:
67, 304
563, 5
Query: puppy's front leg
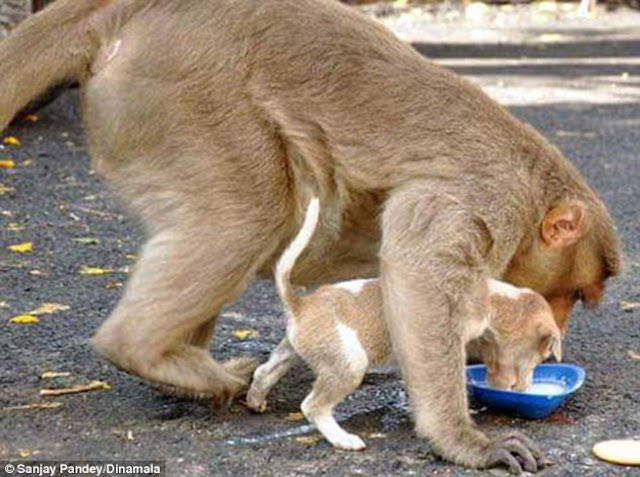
268, 374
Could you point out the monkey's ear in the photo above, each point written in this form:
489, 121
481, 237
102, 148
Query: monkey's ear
564, 225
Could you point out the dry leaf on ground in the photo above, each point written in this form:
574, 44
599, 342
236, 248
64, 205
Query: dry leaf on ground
629, 305
11, 141
24, 319
80, 388
48, 308
4, 188
294, 416
113, 285
585, 134
7, 164
86, 240
25, 247
308, 440
244, 334
34, 406
55, 374
85, 270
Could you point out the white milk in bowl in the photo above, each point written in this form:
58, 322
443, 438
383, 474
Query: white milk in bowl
546, 388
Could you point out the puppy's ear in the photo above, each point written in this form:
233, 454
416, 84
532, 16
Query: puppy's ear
556, 348
564, 225
551, 345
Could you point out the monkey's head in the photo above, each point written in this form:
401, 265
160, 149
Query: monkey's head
568, 257
522, 333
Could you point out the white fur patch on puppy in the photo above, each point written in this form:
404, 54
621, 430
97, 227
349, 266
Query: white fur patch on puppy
506, 290
355, 354
354, 286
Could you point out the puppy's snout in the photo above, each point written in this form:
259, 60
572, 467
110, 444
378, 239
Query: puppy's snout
502, 382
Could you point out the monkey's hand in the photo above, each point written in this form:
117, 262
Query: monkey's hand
472, 448
516, 451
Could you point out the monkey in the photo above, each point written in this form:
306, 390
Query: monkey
215, 121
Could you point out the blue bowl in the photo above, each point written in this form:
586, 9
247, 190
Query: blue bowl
534, 404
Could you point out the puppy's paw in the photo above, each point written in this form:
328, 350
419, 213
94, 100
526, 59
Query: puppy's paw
349, 442
255, 402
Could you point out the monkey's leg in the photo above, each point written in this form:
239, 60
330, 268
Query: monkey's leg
268, 374
201, 336
329, 389
177, 288
433, 264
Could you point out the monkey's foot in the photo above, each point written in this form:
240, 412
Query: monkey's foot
516, 451
242, 368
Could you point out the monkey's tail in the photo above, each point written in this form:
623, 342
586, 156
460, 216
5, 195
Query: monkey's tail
288, 258
48, 48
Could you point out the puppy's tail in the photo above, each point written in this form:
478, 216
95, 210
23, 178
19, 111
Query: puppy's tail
288, 259
51, 47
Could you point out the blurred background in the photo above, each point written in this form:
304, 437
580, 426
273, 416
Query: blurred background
13, 11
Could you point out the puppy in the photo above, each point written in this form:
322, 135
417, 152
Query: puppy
339, 331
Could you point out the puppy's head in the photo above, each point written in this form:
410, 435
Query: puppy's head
522, 333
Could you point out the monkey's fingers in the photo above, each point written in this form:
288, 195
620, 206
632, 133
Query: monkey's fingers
541, 460
501, 456
522, 454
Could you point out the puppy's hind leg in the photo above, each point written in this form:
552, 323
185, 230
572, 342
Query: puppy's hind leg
268, 374
328, 391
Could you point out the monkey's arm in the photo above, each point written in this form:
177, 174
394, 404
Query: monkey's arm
433, 264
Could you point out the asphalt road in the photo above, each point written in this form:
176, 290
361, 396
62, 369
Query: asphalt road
52, 199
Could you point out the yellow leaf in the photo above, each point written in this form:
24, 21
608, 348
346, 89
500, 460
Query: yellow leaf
13, 227
24, 319
294, 416
25, 452
244, 334
94, 270
27, 162
48, 308
7, 164
22, 247
11, 141
308, 440
4, 188
54, 374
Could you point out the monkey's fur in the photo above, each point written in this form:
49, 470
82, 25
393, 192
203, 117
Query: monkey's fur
216, 120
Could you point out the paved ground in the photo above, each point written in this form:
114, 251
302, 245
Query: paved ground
583, 94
